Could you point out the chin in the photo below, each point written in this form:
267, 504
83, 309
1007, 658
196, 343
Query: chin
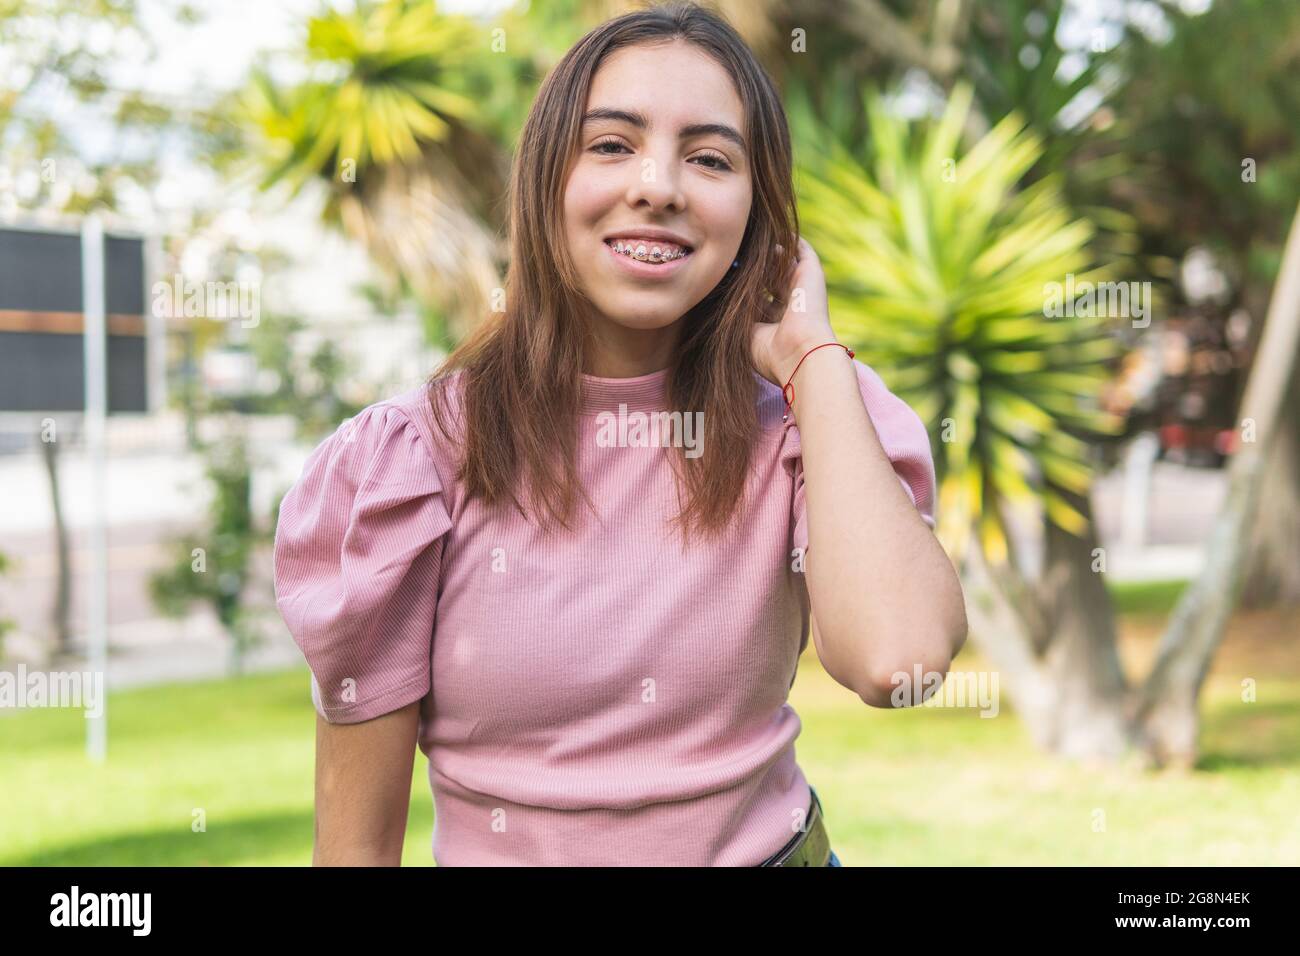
632, 317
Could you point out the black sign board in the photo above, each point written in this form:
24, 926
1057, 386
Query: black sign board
41, 324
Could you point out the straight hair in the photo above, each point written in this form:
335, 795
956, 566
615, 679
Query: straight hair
521, 367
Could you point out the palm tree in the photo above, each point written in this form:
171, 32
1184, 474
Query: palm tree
388, 122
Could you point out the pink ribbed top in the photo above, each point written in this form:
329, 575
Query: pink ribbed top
598, 697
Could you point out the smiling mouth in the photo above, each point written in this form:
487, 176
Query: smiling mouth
649, 252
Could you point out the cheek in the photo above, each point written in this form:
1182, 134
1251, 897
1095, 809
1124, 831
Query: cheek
588, 195
574, 205
724, 214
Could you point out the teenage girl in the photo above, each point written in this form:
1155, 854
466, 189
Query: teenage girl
577, 569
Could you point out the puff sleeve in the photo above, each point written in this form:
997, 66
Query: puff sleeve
902, 435
356, 560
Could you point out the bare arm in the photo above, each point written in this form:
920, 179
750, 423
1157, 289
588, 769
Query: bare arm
363, 788
883, 591
884, 596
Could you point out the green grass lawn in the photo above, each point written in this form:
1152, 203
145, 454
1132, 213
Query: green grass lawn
913, 786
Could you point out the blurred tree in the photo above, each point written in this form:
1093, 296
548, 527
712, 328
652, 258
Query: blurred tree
1207, 115
307, 379
1015, 54
56, 60
1157, 141
1166, 709
56, 57
971, 294
212, 566
560, 24
388, 122
390, 301
1036, 58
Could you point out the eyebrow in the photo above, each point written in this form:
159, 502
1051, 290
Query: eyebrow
638, 119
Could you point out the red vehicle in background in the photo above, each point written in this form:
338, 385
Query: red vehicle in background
1184, 384
1197, 444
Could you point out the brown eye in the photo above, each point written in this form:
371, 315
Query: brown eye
599, 147
721, 161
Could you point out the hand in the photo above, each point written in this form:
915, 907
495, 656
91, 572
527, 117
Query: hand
778, 346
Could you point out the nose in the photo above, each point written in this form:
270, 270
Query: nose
656, 182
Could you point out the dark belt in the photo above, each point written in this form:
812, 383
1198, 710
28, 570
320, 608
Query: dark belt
811, 846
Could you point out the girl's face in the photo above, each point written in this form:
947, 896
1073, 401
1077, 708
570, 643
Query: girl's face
661, 151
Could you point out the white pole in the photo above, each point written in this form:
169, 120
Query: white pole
1138, 465
155, 327
96, 379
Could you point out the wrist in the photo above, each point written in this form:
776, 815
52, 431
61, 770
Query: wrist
791, 390
788, 362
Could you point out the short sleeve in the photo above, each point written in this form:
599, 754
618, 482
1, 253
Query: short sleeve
902, 435
356, 561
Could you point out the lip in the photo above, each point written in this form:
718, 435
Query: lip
651, 232
646, 270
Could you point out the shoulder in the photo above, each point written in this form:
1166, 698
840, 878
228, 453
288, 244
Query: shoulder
404, 419
390, 450
902, 433
355, 560
379, 475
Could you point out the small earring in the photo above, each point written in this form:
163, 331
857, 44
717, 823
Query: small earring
736, 263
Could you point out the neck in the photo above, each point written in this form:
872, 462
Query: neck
619, 352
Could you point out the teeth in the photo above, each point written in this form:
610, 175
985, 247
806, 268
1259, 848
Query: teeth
642, 253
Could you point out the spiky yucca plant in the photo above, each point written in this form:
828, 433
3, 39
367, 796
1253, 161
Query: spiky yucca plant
939, 272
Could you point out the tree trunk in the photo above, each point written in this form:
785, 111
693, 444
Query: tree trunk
1083, 659
1272, 576
1053, 642
998, 627
1166, 708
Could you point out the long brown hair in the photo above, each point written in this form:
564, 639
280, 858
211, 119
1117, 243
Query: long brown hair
521, 369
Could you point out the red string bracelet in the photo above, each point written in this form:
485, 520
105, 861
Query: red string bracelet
787, 391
